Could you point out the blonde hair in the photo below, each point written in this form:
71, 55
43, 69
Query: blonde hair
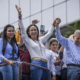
71, 37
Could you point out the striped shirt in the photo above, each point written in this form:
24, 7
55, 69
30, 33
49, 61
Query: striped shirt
72, 50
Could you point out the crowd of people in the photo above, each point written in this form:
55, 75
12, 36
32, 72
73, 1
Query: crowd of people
63, 63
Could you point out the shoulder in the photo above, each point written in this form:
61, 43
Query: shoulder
49, 52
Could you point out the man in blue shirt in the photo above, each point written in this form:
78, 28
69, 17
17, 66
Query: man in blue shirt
72, 51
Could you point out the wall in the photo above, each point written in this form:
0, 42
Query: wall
44, 10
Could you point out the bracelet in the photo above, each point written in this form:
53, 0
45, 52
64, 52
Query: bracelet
19, 16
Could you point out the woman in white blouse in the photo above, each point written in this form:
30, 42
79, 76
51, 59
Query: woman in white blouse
36, 48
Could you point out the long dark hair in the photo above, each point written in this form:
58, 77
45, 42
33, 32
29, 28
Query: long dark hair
12, 42
28, 29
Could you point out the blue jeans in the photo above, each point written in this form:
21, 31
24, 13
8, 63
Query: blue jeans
37, 73
9, 72
73, 73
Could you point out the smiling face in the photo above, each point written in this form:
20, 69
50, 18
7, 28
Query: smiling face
10, 33
54, 46
77, 39
33, 32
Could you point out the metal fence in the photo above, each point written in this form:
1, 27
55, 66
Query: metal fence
20, 69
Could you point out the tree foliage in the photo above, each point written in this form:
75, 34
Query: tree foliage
69, 29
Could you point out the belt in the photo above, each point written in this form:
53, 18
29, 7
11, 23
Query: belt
77, 65
40, 59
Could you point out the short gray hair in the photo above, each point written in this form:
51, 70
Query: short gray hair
77, 32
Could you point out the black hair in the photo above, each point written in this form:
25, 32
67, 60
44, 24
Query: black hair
27, 31
1, 34
5, 40
52, 40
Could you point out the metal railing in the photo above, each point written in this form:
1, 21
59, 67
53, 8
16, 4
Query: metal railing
20, 68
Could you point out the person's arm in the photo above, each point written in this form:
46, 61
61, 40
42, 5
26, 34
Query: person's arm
8, 61
2, 57
51, 63
24, 35
53, 69
44, 38
62, 40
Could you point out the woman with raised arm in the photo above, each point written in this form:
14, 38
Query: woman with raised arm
36, 48
8, 54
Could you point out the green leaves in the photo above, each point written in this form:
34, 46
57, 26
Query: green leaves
69, 29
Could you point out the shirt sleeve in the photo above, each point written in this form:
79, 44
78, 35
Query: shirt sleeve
53, 69
62, 40
51, 65
1, 54
26, 39
47, 36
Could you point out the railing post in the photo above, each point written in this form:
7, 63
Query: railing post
20, 68
19, 71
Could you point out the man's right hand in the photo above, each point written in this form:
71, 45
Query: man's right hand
56, 22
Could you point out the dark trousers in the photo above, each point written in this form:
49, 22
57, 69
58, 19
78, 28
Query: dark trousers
58, 77
1, 77
25, 76
64, 74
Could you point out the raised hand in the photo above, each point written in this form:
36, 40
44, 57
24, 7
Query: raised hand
19, 12
56, 22
35, 21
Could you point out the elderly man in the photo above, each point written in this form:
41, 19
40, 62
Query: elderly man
72, 51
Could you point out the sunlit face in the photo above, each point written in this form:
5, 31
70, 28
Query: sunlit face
54, 46
10, 32
33, 32
77, 39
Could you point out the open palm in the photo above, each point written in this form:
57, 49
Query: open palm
18, 9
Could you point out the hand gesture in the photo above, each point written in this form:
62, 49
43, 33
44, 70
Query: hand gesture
35, 21
10, 62
56, 22
19, 12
